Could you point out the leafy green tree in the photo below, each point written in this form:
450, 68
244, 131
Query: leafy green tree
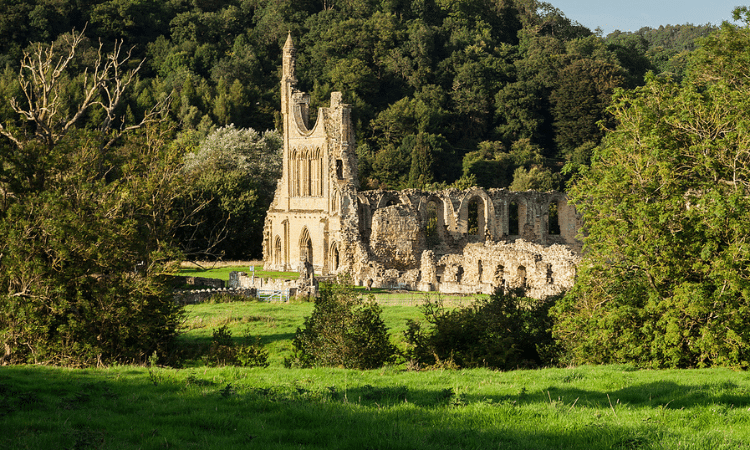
233, 175
631, 51
86, 215
505, 331
665, 280
579, 101
431, 159
535, 179
391, 167
466, 71
491, 165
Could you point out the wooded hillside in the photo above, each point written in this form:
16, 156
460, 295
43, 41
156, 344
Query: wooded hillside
502, 93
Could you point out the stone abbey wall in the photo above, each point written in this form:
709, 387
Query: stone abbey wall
451, 241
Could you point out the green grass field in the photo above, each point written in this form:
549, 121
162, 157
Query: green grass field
275, 323
130, 407
222, 272
227, 408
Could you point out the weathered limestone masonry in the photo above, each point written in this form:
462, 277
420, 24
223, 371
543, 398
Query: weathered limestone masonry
449, 241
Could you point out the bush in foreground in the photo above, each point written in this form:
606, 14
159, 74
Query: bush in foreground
506, 331
343, 331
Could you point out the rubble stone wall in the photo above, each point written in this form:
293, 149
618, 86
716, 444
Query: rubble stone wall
192, 297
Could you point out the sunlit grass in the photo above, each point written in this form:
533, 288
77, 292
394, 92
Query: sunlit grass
222, 273
223, 408
382, 296
126, 407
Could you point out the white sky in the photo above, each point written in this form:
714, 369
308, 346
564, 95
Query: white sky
631, 15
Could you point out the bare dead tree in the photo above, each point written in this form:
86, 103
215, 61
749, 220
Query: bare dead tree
103, 85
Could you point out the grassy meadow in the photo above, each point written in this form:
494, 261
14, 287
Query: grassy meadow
225, 408
195, 406
221, 271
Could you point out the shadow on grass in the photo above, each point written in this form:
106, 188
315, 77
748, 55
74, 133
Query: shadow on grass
661, 394
45, 407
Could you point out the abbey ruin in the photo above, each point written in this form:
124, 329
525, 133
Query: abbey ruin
450, 241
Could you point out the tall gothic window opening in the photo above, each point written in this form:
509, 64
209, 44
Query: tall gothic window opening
513, 219
305, 173
522, 276
474, 225
334, 257
293, 173
431, 231
305, 246
316, 171
339, 169
277, 252
553, 218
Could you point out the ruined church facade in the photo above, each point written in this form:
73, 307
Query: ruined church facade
451, 241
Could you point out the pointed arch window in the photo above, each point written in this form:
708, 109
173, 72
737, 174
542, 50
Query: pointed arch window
277, 257
334, 260
294, 173
513, 229
553, 218
305, 246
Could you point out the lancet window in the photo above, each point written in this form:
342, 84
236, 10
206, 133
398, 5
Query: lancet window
306, 173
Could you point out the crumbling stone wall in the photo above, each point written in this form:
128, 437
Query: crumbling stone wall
214, 283
396, 236
192, 297
452, 241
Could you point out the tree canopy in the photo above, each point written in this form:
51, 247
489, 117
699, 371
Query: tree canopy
86, 219
462, 74
665, 279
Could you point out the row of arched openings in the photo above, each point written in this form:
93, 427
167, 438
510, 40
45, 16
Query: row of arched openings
306, 172
499, 274
476, 222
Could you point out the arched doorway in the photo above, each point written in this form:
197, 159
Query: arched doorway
553, 218
475, 220
433, 223
334, 258
277, 252
513, 228
522, 276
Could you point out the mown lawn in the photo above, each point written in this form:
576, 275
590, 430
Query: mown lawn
275, 323
382, 296
131, 407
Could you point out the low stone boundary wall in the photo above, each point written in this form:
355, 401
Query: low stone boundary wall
242, 280
214, 283
192, 297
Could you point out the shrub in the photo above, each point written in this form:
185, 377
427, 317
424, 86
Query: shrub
505, 331
343, 331
225, 352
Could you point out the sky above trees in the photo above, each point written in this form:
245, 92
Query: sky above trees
611, 15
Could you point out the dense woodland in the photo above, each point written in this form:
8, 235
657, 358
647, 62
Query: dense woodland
503, 91
489, 93
134, 133
493, 93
